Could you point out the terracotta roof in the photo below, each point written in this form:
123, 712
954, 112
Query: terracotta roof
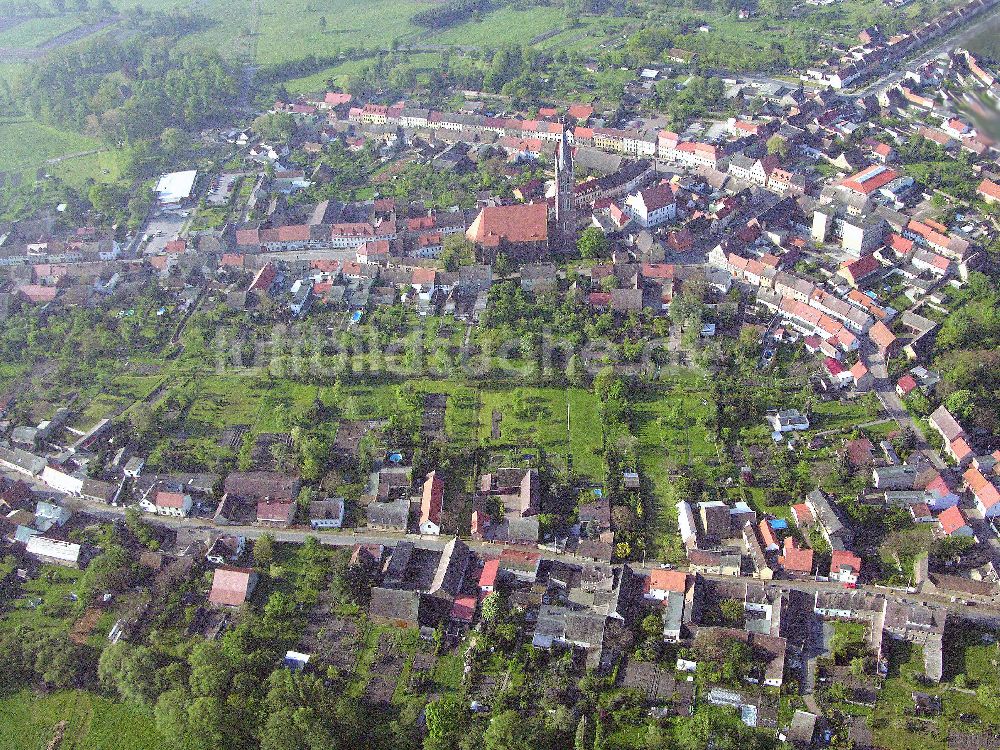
796, 559
169, 500
960, 448
870, 179
842, 558
668, 580
881, 335
515, 224
990, 189
906, 384
984, 490
952, 519
490, 570
231, 586
863, 267
803, 513
432, 499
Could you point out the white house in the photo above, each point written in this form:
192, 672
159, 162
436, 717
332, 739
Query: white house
54, 551
169, 504
327, 514
788, 420
652, 206
60, 480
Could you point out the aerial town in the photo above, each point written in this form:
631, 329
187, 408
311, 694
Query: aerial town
436, 411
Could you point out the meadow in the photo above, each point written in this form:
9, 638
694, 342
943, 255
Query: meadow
28, 722
26, 145
34, 32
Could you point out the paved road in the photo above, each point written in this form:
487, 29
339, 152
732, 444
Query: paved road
986, 610
893, 406
956, 39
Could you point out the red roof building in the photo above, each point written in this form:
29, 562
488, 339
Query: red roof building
488, 578
952, 522
517, 225
869, 180
845, 566
231, 587
796, 561
802, 514
906, 385
431, 504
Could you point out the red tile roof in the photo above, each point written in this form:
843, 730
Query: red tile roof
906, 384
231, 586
169, 500
668, 580
432, 499
870, 179
796, 559
489, 575
515, 224
989, 189
952, 519
842, 558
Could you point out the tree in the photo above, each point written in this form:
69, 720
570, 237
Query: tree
777, 145
274, 126
322, 23
457, 251
210, 670
129, 671
263, 551
580, 741
445, 722
507, 731
732, 612
652, 626
592, 243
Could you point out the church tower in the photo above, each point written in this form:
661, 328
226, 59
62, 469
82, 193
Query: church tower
565, 219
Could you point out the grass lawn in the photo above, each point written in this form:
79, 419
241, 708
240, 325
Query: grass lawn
538, 417
897, 729
34, 32
46, 602
506, 25
672, 441
25, 145
27, 722
104, 166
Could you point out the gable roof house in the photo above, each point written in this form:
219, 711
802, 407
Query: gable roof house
520, 231
945, 424
985, 492
231, 587
952, 522
834, 531
431, 504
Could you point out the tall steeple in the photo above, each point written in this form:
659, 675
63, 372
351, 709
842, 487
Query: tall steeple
565, 220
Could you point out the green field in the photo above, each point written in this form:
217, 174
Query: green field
28, 722
505, 25
34, 32
538, 417
46, 602
25, 145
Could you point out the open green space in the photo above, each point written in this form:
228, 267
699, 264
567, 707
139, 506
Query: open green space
28, 722
33, 32
539, 417
506, 25
26, 145
46, 603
